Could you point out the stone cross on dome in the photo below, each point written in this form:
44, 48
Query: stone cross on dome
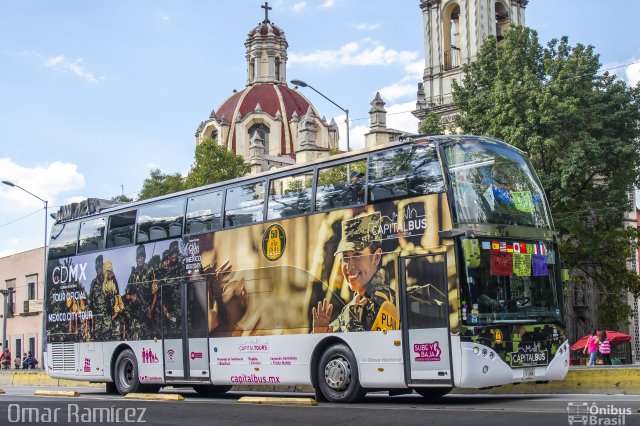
266, 12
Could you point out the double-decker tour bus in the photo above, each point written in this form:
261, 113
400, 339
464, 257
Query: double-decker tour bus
423, 265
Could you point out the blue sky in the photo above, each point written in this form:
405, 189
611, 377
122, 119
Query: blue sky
94, 94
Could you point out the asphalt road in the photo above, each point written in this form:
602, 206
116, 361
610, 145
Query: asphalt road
376, 409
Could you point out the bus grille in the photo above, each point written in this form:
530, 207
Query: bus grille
63, 356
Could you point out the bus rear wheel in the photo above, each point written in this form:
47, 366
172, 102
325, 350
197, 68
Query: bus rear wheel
206, 390
338, 375
433, 393
125, 373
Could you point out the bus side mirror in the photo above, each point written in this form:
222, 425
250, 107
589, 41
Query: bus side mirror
471, 250
564, 275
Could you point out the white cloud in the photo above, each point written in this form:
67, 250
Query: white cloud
399, 117
164, 18
632, 72
327, 4
364, 26
60, 63
44, 181
299, 7
397, 91
74, 199
365, 52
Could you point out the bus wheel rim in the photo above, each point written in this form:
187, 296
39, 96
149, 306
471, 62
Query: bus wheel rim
337, 373
126, 373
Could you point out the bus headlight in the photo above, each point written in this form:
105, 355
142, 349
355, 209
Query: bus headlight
485, 369
484, 352
476, 350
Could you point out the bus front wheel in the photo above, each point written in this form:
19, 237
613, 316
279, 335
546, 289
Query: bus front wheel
433, 393
338, 375
126, 373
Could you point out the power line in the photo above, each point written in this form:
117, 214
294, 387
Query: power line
20, 218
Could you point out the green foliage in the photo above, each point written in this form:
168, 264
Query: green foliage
431, 125
121, 199
581, 132
213, 163
158, 184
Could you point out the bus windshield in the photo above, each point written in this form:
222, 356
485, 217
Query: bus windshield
494, 184
513, 282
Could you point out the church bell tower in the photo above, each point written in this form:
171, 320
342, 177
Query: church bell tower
454, 31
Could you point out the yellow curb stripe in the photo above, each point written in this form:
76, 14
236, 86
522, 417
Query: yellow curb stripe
56, 393
277, 401
155, 396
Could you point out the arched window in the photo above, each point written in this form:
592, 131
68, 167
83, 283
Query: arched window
263, 131
252, 70
277, 69
452, 56
214, 135
502, 20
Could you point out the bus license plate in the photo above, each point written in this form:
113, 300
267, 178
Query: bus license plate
529, 374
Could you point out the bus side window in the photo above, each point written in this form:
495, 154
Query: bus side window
244, 205
121, 226
204, 213
404, 172
92, 235
290, 196
64, 238
337, 188
160, 220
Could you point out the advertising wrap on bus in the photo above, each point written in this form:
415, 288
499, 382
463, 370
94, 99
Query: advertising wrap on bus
258, 284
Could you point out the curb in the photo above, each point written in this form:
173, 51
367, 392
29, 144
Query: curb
56, 393
155, 396
266, 400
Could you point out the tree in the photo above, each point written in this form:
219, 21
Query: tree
431, 125
581, 132
158, 184
215, 163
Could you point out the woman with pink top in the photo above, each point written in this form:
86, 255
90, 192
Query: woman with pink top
591, 347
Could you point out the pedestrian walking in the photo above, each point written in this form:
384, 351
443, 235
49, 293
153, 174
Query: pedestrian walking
591, 347
605, 348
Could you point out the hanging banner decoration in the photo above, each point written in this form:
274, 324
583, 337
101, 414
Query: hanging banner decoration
523, 201
495, 246
522, 265
540, 268
501, 264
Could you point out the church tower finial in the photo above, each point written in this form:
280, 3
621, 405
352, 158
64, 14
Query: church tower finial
266, 12
266, 52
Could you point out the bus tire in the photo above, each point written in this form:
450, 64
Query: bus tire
125, 373
338, 378
433, 393
206, 390
111, 387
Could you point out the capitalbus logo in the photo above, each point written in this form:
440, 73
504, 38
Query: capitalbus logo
253, 347
427, 351
148, 357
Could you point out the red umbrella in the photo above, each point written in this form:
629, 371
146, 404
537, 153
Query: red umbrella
614, 338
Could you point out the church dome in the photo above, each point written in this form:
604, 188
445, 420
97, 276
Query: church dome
271, 98
266, 28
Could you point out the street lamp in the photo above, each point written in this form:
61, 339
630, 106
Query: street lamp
346, 111
44, 275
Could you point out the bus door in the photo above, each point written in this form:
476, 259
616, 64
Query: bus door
186, 346
425, 319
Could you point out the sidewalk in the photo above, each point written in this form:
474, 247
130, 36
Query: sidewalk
619, 379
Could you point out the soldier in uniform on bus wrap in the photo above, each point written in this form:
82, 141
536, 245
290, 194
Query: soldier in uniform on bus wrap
94, 288
373, 304
138, 297
174, 277
108, 305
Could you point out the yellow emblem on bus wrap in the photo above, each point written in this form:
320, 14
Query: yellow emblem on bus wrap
387, 318
274, 242
498, 336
